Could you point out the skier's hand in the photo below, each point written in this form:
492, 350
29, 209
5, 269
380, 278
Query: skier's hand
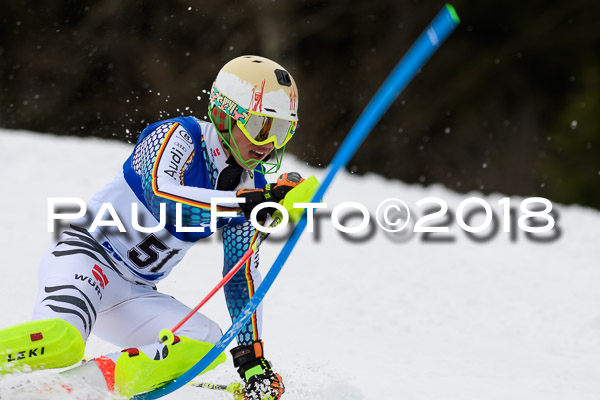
266, 386
274, 192
284, 184
261, 383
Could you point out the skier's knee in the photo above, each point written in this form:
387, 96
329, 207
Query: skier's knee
214, 333
201, 329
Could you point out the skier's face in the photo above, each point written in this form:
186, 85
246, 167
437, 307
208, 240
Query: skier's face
248, 150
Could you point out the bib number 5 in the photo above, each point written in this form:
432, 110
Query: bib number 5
148, 251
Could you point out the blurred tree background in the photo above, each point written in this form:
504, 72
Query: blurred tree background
509, 104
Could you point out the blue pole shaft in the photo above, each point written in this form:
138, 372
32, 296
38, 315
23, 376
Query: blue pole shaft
429, 41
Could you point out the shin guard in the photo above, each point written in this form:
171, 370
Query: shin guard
46, 343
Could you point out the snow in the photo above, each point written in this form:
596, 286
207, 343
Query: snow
379, 319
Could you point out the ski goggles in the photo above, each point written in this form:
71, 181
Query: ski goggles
262, 129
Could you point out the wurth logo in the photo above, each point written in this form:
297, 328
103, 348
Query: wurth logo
99, 281
99, 275
216, 152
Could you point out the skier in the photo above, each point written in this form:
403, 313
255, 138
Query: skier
103, 280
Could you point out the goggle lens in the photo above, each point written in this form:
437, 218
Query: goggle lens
261, 129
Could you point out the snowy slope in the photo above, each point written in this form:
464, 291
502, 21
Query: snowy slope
381, 319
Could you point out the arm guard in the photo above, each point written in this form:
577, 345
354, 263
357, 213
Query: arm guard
162, 160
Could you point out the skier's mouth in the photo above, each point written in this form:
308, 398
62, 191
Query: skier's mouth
258, 155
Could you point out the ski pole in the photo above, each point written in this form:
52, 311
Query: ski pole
261, 237
302, 193
234, 388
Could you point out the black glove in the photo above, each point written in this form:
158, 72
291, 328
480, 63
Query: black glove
261, 383
274, 192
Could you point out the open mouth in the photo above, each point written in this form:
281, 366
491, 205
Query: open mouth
258, 155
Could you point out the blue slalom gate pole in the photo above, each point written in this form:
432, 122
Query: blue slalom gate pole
429, 41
